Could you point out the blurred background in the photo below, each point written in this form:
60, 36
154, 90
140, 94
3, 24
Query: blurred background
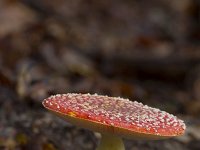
147, 51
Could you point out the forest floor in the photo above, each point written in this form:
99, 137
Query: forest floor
144, 51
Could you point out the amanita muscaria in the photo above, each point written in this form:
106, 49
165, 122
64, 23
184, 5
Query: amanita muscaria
115, 118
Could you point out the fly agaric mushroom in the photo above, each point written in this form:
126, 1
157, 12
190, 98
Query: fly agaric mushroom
115, 118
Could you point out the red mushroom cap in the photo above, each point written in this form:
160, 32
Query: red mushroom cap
115, 115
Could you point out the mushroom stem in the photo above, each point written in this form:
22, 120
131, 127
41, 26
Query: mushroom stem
110, 142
